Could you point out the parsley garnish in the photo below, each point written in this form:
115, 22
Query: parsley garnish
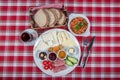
79, 25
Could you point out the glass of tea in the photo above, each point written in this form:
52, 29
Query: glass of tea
28, 36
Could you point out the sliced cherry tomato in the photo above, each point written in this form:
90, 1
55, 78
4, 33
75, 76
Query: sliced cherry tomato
50, 67
50, 63
46, 67
45, 62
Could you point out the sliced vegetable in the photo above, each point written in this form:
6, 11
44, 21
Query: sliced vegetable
45, 62
69, 63
73, 59
48, 65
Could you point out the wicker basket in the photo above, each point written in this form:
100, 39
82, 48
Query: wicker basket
35, 26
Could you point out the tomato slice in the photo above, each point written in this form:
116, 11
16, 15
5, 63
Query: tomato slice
45, 62
46, 67
50, 67
50, 63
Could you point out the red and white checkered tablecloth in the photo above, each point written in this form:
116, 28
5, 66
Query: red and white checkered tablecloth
16, 59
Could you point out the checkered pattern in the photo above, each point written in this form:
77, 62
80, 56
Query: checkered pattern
16, 59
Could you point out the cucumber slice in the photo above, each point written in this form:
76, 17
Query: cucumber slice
69, 63
72, 59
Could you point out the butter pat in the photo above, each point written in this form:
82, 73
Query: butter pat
71, 50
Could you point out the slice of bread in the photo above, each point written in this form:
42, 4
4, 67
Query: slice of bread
52, 18
62, 20
41, 18
57, 13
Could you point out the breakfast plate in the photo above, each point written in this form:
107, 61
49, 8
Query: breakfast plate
56, 52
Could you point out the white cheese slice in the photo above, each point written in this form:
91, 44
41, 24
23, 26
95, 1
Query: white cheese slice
49, 43
66, 35
59, 36
41, 46
68, 43
63, 36
47, 37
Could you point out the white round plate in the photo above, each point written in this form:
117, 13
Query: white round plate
38, 61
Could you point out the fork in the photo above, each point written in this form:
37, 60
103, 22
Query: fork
85, 44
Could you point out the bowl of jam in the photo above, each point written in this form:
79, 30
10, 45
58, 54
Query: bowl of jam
62, 54
52, 56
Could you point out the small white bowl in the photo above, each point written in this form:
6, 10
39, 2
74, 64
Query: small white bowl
59, 56
55, 55
74, 15
74, 50
38, 54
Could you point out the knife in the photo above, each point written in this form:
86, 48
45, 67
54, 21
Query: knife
89, 48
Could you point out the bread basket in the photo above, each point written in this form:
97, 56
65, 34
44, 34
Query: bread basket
34, 9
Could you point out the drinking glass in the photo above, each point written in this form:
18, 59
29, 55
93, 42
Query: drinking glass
28, 37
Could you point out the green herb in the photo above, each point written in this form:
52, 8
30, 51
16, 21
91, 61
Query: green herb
79, 25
